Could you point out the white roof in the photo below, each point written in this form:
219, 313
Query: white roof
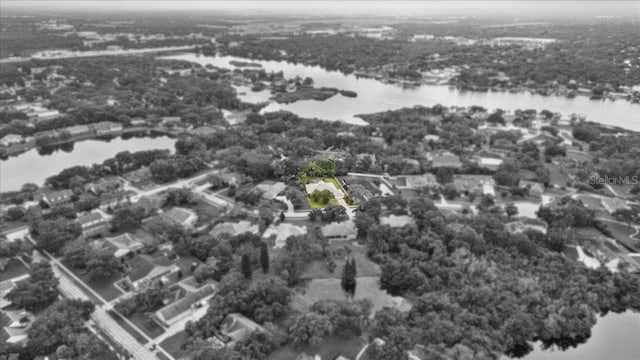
321, 185
396, 220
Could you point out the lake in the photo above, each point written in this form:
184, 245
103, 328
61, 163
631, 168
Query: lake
375, 96
35, 168
614, 337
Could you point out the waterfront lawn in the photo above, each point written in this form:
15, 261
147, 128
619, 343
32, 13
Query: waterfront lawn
174, 344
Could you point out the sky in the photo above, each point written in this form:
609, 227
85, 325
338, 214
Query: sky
529, 9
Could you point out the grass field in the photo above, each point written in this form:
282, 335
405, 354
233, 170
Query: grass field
147, 325
318, 205
330, 348
173, 344
105, 288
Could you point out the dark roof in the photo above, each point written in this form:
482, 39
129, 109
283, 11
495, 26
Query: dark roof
91, 217
140, 266
176, 308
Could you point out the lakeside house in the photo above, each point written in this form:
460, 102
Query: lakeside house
104, 185
106, 127
10, 139
93, 223
77, 130
57, 198
344, 230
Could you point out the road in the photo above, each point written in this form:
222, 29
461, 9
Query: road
108, 324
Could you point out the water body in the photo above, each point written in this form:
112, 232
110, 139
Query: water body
375, 96
614, 337
35, 168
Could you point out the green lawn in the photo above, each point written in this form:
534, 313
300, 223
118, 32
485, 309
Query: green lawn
147, 325
105, 288
330, 348
317, 205
173, 344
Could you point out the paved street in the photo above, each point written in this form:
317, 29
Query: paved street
100, 316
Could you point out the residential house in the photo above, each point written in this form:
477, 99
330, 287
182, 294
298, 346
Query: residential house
151, 203
270, 188
58, 198
478, 184
613, 204
46, 115
138, 176
104, 185
93, 223
7, 285
138, 122
345, 230
238, 328
112, 200
145, 269
184, 217
10, 139
171, 120
77, 130
203, 131
502, 146
122, 245
107, 128
430, 138
12, 331
535, 189
490, 163
46, 134
282, 232
396, 221
234, 229
445, 159
189, 294
416, 181
321, 186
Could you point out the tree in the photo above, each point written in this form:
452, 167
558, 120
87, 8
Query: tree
334, 213
511, 209
76, 253
15, 213
127, 217
245, 266
310, 328
52, 235
349, 273
264, 257
41, 288
102, 265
